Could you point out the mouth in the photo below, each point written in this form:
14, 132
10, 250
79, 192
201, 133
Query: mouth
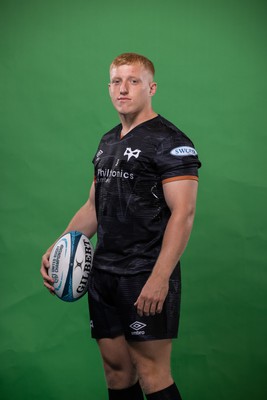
123, 98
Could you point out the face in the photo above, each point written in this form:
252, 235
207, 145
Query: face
131, 88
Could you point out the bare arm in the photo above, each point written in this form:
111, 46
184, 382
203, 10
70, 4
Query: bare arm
181, 199
83, 221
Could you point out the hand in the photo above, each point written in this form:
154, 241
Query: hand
152, 296
48, 281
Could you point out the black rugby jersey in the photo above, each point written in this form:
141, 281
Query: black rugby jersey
131, 210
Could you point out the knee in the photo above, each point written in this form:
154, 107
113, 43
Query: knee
119, 370
113, 374
119, 375
153, 377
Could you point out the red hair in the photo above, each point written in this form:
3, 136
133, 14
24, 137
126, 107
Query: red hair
133, 58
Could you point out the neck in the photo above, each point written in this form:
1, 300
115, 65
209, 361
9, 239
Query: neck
130, 121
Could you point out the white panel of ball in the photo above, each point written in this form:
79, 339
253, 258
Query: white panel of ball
70, 265
59, 263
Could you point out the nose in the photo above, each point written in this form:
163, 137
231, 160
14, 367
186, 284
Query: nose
123, 88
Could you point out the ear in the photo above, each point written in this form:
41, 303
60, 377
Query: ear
153, 88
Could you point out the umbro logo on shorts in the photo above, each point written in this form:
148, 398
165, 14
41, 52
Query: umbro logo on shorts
137, 326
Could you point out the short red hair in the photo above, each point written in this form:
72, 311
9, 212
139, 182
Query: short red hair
133, 58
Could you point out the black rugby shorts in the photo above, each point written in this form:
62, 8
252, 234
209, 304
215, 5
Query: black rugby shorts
112, 312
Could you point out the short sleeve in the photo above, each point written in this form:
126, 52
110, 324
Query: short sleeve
177, 158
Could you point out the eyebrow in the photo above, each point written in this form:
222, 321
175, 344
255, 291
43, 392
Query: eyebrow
129, 77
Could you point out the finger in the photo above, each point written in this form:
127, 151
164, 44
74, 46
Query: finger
159, 307
139, 304
147, 308
45, 260
154, 307
49, 287
45, 265
45, 275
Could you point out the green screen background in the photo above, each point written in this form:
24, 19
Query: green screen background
211, 60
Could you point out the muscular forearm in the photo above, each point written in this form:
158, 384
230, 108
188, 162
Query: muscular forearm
84, 220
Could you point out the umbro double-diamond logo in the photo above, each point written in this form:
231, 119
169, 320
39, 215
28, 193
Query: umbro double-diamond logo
138, 328
137, 325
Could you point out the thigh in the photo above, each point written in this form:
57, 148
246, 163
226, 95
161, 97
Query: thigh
151, 351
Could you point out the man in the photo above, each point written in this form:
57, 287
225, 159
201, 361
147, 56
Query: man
142, 206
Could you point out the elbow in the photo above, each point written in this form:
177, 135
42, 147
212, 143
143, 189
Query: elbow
185, 215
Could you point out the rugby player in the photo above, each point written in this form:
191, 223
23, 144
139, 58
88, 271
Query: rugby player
141, 205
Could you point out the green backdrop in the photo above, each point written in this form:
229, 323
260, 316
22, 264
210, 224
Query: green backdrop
211, 60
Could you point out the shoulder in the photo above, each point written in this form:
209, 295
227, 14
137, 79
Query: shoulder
169, 133
111, 134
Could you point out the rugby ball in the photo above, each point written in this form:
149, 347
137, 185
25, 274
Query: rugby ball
70, 265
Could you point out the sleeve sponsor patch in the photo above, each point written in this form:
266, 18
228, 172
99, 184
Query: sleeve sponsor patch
183, 151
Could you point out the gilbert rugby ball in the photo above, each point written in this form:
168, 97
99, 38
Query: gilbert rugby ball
70, 265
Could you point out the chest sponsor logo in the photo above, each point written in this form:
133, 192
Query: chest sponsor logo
138, 328
105, 175
131, 153
183, 151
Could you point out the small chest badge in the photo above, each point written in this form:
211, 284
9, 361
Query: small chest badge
131, 153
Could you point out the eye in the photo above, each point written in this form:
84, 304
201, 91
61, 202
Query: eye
115, 81
134, 81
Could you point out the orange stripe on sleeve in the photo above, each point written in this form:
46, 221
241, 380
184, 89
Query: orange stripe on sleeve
180, 178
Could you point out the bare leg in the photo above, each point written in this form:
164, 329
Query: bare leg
152, 361
119, 370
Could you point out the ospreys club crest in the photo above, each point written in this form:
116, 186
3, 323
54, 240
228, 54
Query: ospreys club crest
131, 153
